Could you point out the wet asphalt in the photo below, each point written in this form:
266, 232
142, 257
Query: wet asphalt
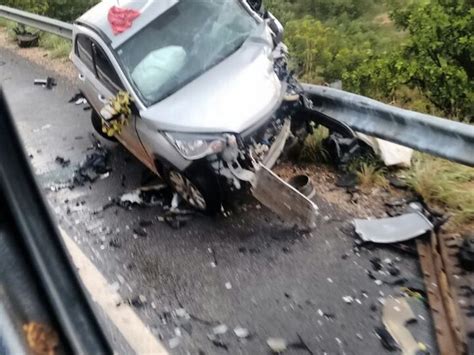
248, 270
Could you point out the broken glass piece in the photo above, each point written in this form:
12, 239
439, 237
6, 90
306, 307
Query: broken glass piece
393, 229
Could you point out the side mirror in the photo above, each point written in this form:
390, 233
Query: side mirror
256, 5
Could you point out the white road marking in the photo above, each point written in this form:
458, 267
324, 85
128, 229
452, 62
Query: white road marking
134, 331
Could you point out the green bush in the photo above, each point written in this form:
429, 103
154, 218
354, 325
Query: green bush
65, 10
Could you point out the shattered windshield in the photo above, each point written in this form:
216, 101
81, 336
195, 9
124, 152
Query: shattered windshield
182, 43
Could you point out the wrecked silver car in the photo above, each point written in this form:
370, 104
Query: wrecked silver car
210, 103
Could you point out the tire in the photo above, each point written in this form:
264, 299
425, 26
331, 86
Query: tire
200, 187
97, 124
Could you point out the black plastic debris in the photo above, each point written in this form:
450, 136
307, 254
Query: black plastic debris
141, 232
397, 182
76, 97
176, 221
114, 243
466, 253
137, 301
301, 345
148, 196
393, 270
47, 83
94, 165
144, 223
62, 161
218, 342
348, 180
376, 263
341, 149
386, 339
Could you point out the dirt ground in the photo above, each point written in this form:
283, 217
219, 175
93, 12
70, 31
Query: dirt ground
359, 203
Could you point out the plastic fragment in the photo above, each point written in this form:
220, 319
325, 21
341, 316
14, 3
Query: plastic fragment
277, 345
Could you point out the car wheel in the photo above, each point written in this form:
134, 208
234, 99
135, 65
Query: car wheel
198, 186
97, 124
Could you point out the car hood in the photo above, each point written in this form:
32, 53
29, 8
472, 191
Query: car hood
234, 95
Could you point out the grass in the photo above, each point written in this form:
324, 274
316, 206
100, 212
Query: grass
447, 185
313, 149
4, 22
370, 174
56, 46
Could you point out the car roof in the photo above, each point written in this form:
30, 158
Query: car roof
97, 17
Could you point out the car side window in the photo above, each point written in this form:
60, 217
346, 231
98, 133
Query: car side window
105, 71
84, 51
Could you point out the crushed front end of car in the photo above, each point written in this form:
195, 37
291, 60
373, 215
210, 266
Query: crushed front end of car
246, 159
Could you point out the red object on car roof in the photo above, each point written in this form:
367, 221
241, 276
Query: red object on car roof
121, 19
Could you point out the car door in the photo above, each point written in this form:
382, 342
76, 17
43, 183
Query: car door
100, 84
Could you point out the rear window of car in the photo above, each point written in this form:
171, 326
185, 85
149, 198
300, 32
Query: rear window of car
105, 71
84, 51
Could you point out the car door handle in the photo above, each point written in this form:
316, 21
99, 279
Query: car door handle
81, 77
102, 99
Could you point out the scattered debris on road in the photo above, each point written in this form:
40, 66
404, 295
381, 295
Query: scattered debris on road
42, 128
342, 149
62, 161
93, 167
348, 299
79, 99
47, 83
148, 196
221, 329
217, 341
277, 345
241, 332
388, 342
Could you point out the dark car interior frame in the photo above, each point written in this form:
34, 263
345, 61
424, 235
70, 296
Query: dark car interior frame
38, 283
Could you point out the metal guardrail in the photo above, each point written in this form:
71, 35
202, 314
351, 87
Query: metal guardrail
434, 135
42, 23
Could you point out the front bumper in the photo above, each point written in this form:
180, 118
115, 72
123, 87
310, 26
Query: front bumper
272, 191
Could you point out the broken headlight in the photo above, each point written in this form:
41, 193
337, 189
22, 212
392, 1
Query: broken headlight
193, 147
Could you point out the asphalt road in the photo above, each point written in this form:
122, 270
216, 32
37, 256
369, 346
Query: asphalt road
247, 270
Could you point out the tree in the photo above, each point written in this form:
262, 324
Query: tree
439, 55
437, 58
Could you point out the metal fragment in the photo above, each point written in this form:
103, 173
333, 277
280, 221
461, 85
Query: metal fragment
393, 229
290, 204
